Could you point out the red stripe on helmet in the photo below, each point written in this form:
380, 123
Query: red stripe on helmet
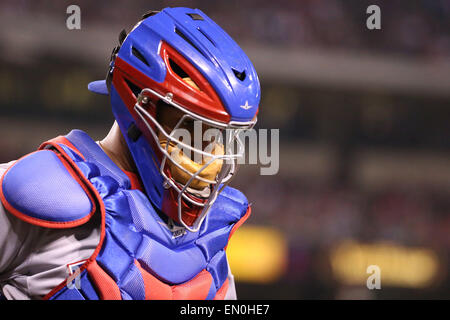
204, 102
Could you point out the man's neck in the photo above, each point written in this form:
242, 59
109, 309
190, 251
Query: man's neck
115, 147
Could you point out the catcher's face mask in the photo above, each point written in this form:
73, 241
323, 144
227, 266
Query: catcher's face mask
199, 157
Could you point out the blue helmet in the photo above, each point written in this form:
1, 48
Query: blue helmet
179, 57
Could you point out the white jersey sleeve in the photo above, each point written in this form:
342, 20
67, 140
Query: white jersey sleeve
231, 292
34, 260
11, 236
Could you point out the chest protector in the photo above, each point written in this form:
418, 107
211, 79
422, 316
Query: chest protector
70, 179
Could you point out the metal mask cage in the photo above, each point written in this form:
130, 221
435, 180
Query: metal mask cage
229, 157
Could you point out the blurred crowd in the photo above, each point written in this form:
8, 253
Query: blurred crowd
317, 214
418, 27
342, 25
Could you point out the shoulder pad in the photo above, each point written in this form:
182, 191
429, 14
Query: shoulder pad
235, 195
44, 189
228, 213
230, 206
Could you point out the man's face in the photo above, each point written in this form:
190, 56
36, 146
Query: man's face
192, 161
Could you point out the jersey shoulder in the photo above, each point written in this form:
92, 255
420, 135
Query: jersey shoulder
43, 188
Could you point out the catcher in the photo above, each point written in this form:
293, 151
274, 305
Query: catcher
144, 213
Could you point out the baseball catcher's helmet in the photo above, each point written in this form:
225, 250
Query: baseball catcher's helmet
178, 59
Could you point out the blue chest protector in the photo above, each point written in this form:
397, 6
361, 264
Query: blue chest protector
71, 180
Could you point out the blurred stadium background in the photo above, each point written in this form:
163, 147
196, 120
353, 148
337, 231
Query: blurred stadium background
364, 119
